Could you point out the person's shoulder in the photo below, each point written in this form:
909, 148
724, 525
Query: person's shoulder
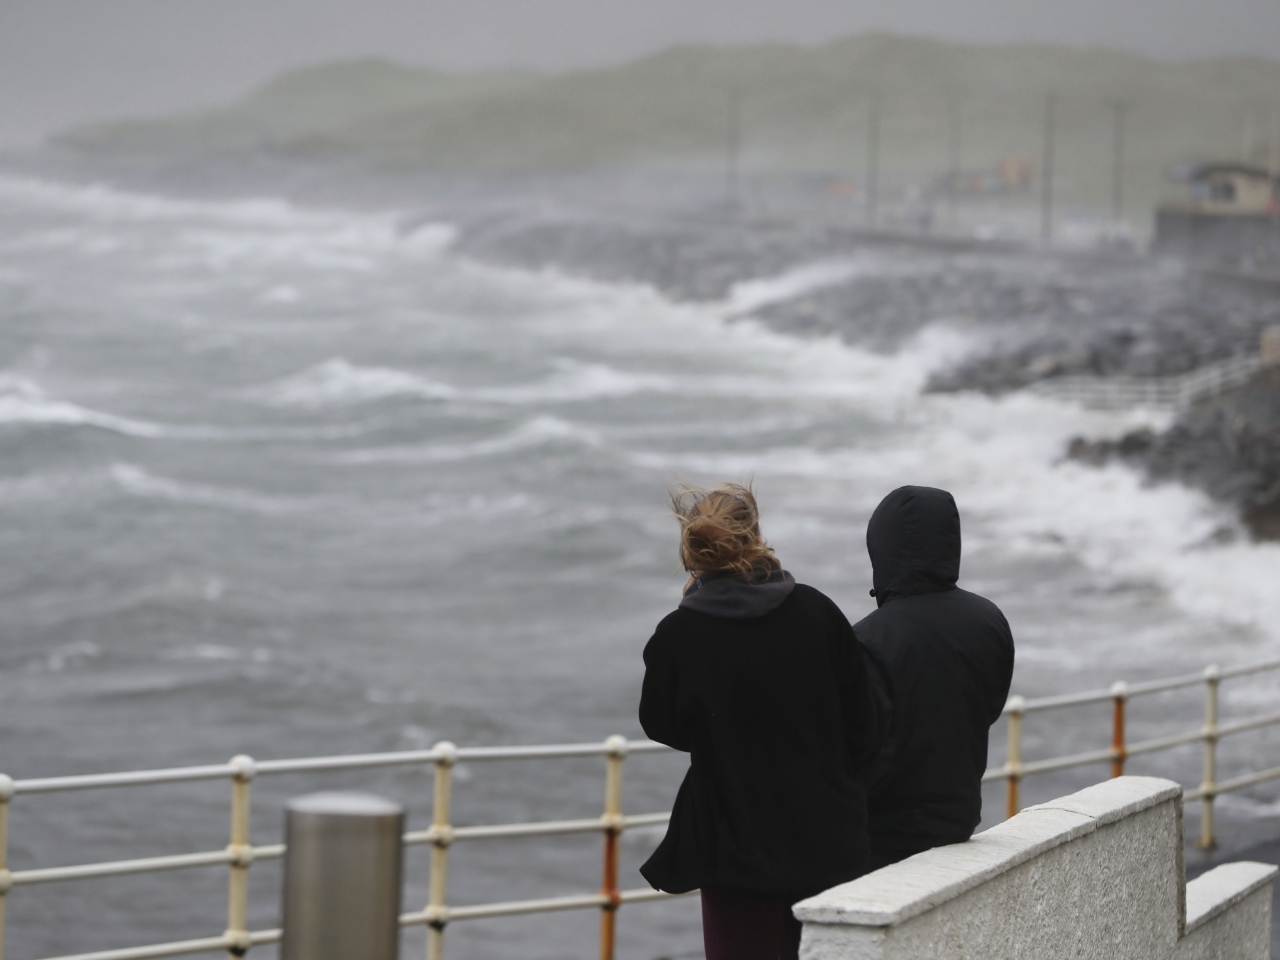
675, 622
977, 602
805, 596
674, 627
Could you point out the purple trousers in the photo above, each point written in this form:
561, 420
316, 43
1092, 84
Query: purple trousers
742, 925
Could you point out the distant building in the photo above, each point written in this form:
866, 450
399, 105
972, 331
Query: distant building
1230, 215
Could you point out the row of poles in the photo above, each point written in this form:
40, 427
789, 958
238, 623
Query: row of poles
1119, 114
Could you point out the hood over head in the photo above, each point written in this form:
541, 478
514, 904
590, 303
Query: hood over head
739, 597
914, 542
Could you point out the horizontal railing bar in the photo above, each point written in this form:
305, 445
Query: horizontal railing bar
495, 830
1164, 743
507, 909
133, 778
354, 761
640, 896
275, 851
1138, 689
1065, 700
1227, 729
1238, 783
1145, 746
177, 948
1062, 763
1161, 686
116, 868
138, 778
1249, 668
537, 829
581, 901
646, 820
548, 751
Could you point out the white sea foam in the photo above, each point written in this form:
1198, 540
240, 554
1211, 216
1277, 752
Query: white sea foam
222, 234
338, 382
750, 295
22, 401
575, 381
1002, 457
539, 431
140, 482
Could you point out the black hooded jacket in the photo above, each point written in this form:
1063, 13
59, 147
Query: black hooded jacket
948, 656
762, 682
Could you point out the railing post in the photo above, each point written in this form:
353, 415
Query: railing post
1119, 694
241, 850
612, 819
442, 836
1013, 758
6, 794
1212, 678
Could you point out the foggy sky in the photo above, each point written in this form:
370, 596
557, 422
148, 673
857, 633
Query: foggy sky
68, 61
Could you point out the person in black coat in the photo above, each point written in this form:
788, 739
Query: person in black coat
948, 658
761, 681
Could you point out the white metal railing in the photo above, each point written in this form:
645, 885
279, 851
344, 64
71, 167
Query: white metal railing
1170, 393
240, 854
1118, 695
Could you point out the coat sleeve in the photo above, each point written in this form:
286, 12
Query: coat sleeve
1002, 672
660, 713
881, 686
867, 696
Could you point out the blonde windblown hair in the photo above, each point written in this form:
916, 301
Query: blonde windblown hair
720, 530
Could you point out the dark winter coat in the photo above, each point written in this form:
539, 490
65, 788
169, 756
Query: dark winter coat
948, 655
765, 686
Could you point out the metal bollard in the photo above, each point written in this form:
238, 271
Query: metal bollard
342, 878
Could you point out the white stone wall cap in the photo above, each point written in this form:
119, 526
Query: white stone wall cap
1223, 887
1116, 799
904, 890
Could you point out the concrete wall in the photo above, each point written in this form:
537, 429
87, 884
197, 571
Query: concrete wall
1240, 240
1097, 874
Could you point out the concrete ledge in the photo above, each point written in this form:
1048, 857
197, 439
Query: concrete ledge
1097, 875
1114, 800
904, 890
920, 883
1221, 888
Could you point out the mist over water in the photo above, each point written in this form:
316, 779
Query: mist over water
288, 482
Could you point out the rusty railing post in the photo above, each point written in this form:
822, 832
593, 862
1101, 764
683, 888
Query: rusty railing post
1212, 678
241, 850
612, 820
1119, 694
442, 836
1013, 757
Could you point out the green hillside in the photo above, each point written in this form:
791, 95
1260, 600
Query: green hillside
802, 110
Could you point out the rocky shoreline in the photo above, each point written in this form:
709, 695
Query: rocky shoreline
1038, 316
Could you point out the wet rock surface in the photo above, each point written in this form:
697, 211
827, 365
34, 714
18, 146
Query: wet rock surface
686, 259
1229, 447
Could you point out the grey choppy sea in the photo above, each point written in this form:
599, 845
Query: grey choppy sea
291, 481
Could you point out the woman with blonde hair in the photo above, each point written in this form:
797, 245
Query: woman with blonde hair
761, 680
